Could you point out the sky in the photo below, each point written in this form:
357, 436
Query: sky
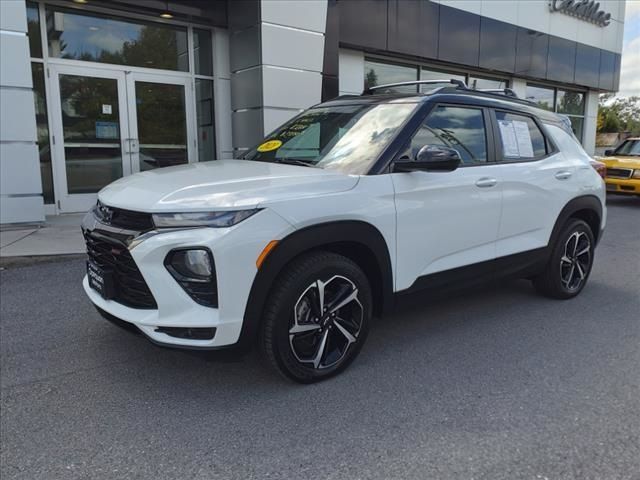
630, 70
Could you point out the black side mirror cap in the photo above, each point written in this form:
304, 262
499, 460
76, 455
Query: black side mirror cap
430, 158
609, 152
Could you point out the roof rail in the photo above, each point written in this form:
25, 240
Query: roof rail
453, 81
509, 92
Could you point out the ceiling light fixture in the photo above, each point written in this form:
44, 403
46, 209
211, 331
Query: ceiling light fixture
81, 1
166, 13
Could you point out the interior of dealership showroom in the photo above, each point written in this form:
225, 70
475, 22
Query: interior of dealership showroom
94, 90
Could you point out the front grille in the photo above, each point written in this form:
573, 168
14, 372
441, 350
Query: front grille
121, 218
130, 288
619, 173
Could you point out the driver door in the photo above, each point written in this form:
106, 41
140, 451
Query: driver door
447, 220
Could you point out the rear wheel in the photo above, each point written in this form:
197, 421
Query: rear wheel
570, 264
317, 317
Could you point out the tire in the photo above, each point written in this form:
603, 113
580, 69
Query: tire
569, 266
299, 342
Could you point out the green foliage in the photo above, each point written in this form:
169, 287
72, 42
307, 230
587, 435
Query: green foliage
619, 114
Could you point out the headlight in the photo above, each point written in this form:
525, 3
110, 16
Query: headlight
202, 219
636, 173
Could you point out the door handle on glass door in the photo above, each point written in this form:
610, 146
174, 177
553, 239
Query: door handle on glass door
486, 182
563, 175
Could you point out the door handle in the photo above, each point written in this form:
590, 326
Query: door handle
563, 175
486, 182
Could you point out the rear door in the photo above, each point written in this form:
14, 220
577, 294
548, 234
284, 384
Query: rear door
537, 180
447, 220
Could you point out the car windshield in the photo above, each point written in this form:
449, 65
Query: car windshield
629, 147
348, 138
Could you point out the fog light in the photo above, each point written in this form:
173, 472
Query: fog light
195, 264
194, 270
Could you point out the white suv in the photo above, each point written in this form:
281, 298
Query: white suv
298, 244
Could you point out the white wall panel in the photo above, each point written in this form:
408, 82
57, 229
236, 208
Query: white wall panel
500, 10
21, 209
351, 67
288, 47
306, 15
14, 51
273, 118
18, 161
222, 93
17, 115
13, 15
246, 91
221, 63
287, 88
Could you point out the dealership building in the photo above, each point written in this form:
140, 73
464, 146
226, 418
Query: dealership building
93, 90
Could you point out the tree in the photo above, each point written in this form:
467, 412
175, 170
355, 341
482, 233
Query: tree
619, 114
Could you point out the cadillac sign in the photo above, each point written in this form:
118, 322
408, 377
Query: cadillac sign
588, 10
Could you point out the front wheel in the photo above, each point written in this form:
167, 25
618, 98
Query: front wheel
570, 263
317, 317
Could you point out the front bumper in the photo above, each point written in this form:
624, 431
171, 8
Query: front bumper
235, 251
619, 185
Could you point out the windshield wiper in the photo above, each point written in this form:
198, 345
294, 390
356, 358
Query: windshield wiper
294, 161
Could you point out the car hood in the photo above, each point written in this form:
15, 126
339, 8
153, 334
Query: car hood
221, 184
620, 161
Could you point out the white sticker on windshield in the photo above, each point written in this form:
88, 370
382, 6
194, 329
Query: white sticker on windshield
516, 139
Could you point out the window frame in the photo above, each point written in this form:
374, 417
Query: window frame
550, 146
488, 132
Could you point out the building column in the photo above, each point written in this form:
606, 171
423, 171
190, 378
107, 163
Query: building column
20, 184
590, 122
277, 54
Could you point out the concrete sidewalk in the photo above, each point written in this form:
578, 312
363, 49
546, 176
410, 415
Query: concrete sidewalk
59, 235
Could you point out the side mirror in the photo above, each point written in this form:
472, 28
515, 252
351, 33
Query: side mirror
430, 158
609, 152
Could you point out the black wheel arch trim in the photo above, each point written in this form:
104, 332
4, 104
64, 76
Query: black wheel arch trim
577, 205
327, 236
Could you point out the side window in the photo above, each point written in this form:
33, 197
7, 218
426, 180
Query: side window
520, 137
460, 128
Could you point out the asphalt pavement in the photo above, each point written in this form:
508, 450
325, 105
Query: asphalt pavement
491, 383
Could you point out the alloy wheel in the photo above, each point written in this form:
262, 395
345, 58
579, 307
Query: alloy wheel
327, 320
576, 261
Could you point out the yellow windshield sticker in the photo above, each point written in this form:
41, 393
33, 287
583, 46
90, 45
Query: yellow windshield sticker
270, 145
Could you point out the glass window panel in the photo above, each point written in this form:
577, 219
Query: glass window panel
202, 52
42, 126
204, 112
91, 132
480, 83
33, 30
541, 95
427, 74
378, 73
570, 102
162, 124
455, 127
576, 126
516, 145
104, 39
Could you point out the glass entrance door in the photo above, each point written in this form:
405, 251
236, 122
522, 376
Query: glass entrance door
109, 124
160, 121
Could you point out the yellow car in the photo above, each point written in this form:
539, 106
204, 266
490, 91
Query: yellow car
623, 167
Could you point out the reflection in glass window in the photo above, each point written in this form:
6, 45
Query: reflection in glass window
204, 112
162, 124
535, 143
570, 102
97, 38
543, 96
576, 126
438, 75
378, 73
203, 58
33, 30
480, 83
456, 127
42, 125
